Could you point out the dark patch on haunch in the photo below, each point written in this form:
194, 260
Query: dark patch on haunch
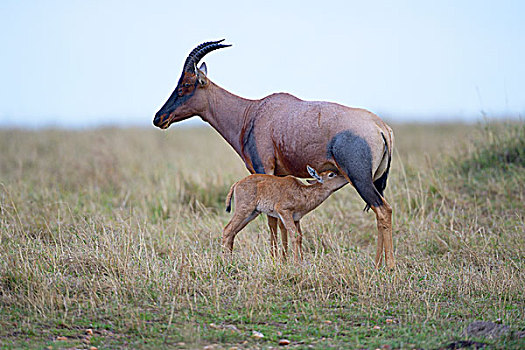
352, 153
250, 149
380, 183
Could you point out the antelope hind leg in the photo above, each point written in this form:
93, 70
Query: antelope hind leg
384, 227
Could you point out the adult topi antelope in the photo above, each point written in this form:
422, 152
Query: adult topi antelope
280, 134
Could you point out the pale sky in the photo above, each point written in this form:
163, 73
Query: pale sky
87, 63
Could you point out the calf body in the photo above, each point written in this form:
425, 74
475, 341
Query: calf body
282, 198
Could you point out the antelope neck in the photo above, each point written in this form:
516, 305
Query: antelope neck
228, 113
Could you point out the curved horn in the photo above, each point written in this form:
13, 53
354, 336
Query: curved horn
200, 51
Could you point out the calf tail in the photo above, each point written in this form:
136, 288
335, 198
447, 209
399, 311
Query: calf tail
229, 198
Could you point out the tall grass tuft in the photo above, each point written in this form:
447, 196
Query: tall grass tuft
492, 169
498, 146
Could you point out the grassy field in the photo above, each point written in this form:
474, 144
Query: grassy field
110, 238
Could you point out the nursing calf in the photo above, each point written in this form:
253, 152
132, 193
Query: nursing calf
280, 134
281, 198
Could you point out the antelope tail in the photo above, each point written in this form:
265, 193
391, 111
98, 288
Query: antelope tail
229, 198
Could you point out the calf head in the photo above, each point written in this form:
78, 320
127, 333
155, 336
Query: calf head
329, 179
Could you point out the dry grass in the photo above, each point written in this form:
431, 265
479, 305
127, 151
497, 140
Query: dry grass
119, 230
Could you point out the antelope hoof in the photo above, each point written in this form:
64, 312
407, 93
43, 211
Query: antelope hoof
391, 264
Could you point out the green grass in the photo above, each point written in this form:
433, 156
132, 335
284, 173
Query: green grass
118, 231
499, 146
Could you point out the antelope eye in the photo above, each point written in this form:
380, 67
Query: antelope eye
331, 175
186, 85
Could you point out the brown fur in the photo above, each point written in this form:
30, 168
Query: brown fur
287, 134
284, 198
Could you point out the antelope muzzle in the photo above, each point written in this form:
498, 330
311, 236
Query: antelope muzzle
162, 120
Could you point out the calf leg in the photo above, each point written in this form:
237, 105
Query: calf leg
288, 222
237, 223
272, 224
299, 237
284, 239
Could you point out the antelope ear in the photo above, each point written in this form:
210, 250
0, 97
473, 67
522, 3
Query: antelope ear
310, 181
201, 73
203, 68
314, 174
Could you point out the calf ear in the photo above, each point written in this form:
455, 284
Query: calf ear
314, 174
